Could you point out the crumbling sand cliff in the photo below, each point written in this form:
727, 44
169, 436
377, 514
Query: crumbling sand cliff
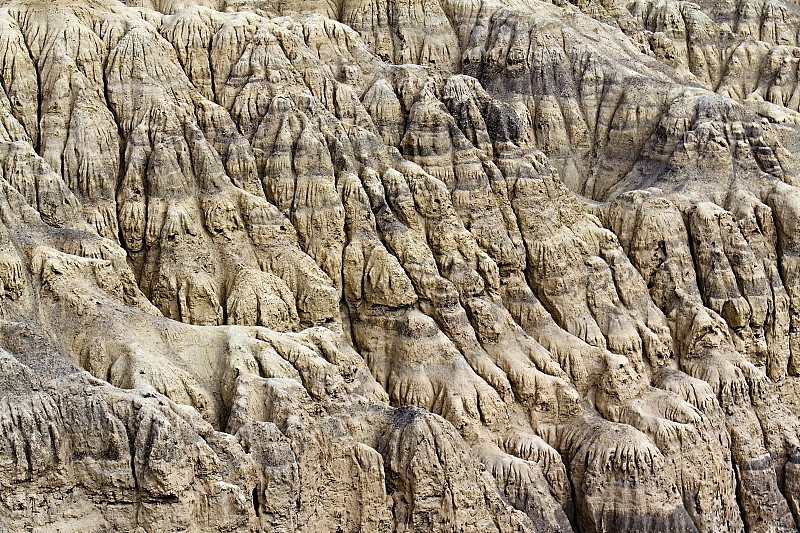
399, 265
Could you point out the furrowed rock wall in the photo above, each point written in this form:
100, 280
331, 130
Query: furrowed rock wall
399, 265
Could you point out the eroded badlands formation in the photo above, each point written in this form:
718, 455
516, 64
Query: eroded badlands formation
400, 266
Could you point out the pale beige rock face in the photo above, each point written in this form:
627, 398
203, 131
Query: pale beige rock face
399, 266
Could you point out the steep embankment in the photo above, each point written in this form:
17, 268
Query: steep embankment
395, 265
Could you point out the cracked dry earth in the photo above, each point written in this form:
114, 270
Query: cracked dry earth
400, 266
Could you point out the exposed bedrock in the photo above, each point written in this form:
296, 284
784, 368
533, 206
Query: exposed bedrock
440, 265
